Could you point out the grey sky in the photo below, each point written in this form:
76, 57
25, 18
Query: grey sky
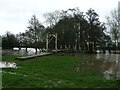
14, 14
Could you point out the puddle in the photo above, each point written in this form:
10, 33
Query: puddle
8, 65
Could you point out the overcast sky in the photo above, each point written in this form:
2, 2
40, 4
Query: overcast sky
14, 14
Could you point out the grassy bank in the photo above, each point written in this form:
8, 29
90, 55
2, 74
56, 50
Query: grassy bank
56, 71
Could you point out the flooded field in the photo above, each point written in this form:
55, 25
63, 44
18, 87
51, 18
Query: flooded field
7, 64
107, 64
22, 52
81, 70
110, 63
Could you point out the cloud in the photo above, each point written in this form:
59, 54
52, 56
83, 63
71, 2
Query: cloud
14, 14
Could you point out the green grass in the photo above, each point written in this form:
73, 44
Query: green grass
10, 58
56, 71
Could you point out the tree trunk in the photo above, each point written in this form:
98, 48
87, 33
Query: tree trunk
35, 50
26, 49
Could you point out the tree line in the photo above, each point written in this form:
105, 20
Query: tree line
76, 30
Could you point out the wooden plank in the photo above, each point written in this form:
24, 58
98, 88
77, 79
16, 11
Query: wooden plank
32, 56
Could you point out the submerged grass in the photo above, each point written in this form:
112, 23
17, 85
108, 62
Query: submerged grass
56, 71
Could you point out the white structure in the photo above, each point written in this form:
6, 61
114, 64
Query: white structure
47, 38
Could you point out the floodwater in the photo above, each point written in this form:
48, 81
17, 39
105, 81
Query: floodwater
7, 64
107, 64
23, 52
16, 51
110, 65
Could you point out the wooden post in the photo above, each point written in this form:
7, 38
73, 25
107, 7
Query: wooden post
61, 47
56, 41
47, 42
69, 47
75, 47
65, 46
79, 47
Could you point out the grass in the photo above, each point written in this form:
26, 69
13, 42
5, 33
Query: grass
56, 71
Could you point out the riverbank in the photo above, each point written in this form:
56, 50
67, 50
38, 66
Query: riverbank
56, 71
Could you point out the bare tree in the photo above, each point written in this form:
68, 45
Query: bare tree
52, 18
113, 23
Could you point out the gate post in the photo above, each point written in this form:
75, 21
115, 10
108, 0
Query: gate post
47, 42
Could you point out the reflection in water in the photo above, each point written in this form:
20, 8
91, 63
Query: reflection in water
111, 65
108, 74
106, 64
7, 65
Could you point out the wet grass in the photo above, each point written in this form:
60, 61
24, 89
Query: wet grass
56, 71
10, 58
